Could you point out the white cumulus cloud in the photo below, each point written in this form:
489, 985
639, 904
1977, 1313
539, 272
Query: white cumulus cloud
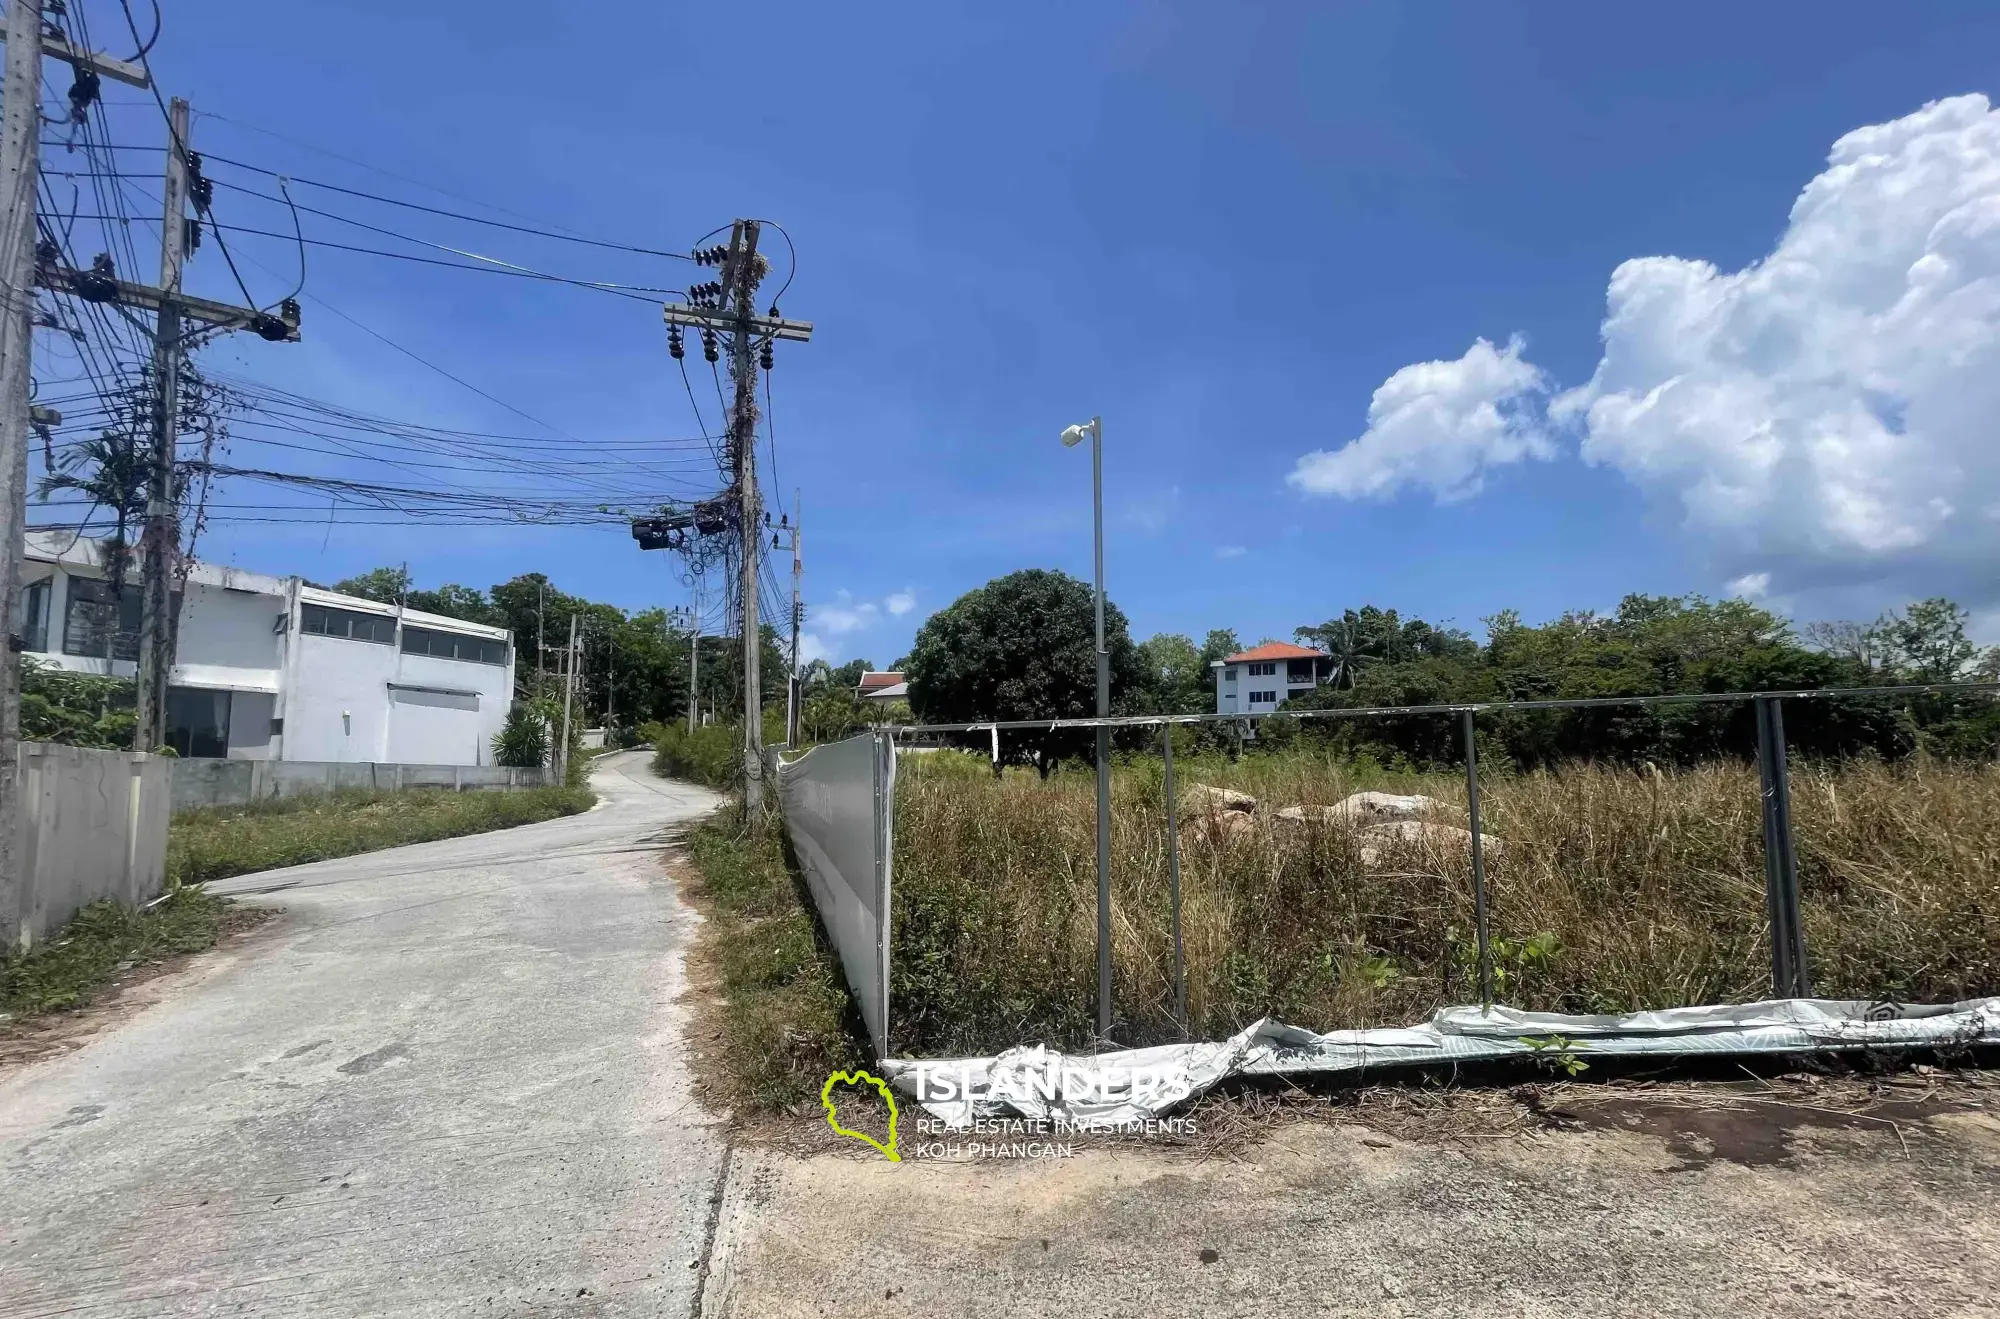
1438, 426
844, 615
1829, 414
902, 602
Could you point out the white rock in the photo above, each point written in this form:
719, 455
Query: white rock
1202, 799
1378, 840
1365, 807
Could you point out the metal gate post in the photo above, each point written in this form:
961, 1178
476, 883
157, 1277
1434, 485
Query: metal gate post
1174, 878
1781, 864
1478, 865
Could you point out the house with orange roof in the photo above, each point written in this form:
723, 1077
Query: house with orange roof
1260, 679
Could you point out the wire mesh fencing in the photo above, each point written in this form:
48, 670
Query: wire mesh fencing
1279, 885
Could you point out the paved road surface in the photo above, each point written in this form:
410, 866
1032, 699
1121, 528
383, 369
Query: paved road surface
450, 1082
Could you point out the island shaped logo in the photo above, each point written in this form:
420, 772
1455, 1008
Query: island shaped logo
833, 1117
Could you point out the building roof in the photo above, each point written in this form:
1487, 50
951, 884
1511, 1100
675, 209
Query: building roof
897, 691
85, 556
1275, 650
874, 681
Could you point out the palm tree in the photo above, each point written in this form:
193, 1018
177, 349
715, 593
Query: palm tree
1349, 650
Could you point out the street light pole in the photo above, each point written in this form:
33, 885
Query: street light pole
1071, 437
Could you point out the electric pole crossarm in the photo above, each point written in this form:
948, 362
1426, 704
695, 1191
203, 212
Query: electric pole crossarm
681, 314
56, 46
92, 287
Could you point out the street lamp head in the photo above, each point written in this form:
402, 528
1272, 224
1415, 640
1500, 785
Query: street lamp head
1075, 435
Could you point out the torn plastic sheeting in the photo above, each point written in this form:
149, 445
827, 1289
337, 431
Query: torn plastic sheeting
1130, 1086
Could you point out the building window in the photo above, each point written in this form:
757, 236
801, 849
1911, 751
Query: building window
1263, 698
35, 616
198, 722
1229, 675
100, 620
1299, 671
1264, 670
319, 621
453, 645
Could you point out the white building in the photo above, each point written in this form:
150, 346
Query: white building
269, 668
1260, 679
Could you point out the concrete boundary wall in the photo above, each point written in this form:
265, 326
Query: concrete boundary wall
236, 782
94, 825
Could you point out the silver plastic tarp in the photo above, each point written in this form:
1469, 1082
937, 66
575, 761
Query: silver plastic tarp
1131, 1086
837, 811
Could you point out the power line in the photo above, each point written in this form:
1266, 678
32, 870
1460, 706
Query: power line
496, 266
428, 210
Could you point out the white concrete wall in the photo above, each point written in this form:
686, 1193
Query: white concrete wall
1234, 697
339, 704
94, 825
229, 627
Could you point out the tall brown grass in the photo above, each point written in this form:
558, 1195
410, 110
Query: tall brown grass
1615, 890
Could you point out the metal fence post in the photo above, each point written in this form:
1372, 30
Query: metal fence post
1478, 865
1103, 883
885, 842
1781, 865
1174, 878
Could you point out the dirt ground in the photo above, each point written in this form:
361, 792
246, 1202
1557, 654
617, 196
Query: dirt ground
1797, 1195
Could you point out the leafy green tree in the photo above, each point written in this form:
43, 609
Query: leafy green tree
1175, 678
1219, 644
1020, 647
75, 709
1927, 641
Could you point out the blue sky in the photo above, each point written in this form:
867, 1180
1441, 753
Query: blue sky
1222, 228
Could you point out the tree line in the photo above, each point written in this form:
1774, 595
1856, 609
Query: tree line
1022, 648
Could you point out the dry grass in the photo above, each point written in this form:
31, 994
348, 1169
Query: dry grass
1616, 890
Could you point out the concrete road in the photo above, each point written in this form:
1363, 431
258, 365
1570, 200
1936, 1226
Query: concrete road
450, 1080
1654, 1209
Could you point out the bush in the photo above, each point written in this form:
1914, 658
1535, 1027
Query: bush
76, 709
523, 741
712, 755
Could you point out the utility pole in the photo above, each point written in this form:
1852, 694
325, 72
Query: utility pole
20, 169
740, 278
173, 309
694, 659
793, 695
732, 308
162, 536
569, 691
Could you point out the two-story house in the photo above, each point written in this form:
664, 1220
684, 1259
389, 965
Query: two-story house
1260, 679
271, 668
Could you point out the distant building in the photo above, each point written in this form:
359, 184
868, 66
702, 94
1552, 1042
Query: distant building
269, 668
887, 686
1260, 679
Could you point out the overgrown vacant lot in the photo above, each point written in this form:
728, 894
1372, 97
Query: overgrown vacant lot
1614, 890
218, 841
